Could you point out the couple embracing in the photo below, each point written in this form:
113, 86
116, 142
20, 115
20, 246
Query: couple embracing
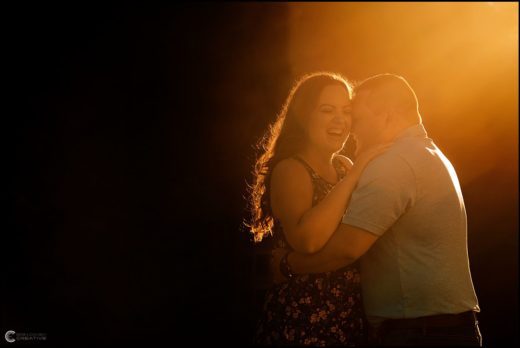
371, 251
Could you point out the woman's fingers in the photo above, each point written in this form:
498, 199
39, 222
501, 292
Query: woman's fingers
344, 161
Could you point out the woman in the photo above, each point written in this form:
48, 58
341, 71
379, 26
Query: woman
301, 190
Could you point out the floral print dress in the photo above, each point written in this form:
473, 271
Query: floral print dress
320, 309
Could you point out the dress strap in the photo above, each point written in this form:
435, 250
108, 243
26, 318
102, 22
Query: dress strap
340, 170
311, 171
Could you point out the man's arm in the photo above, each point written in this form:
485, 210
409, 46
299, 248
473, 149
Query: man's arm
385, 191
345, 246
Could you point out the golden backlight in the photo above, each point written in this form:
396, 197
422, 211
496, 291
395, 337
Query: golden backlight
461, 59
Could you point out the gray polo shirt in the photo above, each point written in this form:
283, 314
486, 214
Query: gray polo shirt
411, 198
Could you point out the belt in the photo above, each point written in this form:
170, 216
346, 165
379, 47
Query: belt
442, 320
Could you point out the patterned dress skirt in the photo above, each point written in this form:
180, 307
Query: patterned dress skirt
323, 309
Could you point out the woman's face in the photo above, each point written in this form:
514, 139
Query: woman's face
330, 121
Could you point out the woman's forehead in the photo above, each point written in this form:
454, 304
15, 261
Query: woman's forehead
334, 94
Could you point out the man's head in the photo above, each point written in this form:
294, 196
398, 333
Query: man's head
383, 106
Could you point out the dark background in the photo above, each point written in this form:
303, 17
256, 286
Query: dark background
134, 138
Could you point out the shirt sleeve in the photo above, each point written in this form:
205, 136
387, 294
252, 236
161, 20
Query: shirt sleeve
386, 189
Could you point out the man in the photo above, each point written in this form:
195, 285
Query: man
406, 223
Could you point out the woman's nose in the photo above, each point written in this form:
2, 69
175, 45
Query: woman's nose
341, 119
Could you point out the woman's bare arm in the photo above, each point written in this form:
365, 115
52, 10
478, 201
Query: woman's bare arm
308, 228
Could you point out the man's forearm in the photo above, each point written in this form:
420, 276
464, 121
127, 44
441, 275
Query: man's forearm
327, 259
305, 263
347, 244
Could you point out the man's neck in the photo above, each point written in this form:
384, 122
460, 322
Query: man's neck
402, 130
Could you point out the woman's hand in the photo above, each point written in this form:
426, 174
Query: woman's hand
366, 156
344, 161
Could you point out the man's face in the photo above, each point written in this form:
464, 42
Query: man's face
367, 126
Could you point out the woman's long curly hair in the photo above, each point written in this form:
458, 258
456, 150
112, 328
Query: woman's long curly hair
285, 137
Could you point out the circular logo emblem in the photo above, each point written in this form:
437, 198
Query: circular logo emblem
9, 336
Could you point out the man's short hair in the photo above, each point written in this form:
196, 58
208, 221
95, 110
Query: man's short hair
390, 91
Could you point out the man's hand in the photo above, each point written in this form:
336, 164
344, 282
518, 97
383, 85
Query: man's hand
276, 257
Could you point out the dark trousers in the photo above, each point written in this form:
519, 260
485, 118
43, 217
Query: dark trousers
438, 330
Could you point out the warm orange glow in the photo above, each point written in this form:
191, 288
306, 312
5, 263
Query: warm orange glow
461, 59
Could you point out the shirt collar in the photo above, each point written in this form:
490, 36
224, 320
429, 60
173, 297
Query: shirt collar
416, 130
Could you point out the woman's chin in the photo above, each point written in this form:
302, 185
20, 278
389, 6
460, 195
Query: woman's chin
335, 149
337, 143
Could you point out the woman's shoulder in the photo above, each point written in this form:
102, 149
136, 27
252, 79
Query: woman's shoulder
290, 186
290, 170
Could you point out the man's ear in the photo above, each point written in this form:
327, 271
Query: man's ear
393, 117
386, 117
